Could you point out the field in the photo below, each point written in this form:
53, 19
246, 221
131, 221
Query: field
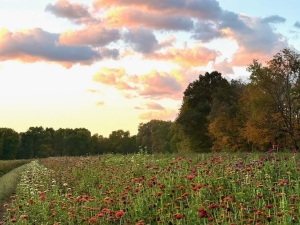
159, 189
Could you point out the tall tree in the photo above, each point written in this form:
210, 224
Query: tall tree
155, 136
121, 142
9, 143
278, 81
196, 107
77, 141
225, 119
36, 142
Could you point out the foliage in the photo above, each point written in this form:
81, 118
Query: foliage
155, 136
196, 107
277, 84
225, 118
9, 143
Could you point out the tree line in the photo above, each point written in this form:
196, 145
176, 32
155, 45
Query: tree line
215, 115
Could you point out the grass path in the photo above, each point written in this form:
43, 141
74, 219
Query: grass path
8, 184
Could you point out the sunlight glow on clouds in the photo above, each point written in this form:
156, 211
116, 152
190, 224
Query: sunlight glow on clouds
128, 60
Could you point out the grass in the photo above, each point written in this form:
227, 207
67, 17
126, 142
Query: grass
8, 184
166, 189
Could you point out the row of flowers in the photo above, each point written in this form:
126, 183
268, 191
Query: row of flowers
144, 189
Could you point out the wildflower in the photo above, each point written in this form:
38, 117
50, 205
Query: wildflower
282, 182
120, 214
190, 177
220, 188
92, 220
100, 215
259, 196
213, 206
43, 196
178, 216
202, 213
24, 217
13, 220
211, 219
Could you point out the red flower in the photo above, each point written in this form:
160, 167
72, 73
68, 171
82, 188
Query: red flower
190, 177
178, 216
43, 197
213, 206
211, 219
119, 214
202, 213
282, 182
100, 215
24, 217
259, 196
92, 220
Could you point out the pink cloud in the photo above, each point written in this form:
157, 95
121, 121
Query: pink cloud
208, 9
115, 77
156, 85
39, 45
154, 105
93, 35
159, 85
187, 57
78, 13
260, 42
135, 17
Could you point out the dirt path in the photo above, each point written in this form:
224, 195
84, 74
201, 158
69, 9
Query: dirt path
8, 184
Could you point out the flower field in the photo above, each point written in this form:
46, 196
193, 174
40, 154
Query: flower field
159, 189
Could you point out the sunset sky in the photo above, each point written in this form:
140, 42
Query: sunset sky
111, 64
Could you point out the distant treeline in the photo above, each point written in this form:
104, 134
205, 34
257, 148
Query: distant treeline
215, 115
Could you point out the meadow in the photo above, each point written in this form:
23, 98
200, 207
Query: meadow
140, 189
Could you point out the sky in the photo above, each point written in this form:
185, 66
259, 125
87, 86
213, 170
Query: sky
106, 65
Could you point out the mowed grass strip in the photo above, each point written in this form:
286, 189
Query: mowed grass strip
8, 185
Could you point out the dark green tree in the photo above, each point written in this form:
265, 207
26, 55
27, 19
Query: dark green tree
99, 144
121, 142
77, 142
36, 142
9, 143
196, 107
155, 136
